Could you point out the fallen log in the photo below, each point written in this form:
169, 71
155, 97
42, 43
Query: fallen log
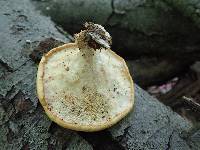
23, 123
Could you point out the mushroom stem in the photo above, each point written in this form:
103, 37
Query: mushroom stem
83, 45
92, 38
89, 41
86, 51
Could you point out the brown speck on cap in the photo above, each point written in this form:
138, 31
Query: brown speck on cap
84, 88
67, 68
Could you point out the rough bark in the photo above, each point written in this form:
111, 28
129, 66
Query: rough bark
193, 137
138, 27
151, 126
23, 123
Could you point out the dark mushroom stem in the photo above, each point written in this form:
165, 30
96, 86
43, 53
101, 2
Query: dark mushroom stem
94, 37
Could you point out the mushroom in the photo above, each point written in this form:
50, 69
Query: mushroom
85, 86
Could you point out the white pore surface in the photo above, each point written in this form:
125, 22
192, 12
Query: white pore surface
87, 90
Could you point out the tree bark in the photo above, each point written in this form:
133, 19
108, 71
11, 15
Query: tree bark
23, 123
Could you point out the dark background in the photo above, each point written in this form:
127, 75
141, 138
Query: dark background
160, 41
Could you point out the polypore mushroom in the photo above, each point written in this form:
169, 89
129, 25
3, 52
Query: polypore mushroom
84, 85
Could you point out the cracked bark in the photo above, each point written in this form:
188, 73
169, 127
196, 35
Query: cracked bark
150, 126
23, 123
169, 142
